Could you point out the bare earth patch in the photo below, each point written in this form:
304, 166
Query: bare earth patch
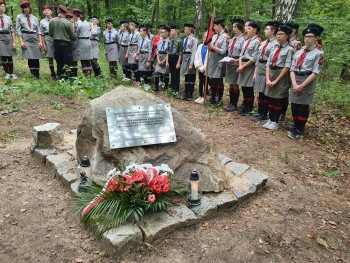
302, 216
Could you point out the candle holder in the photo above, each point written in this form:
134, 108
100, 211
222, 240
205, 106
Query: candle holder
194, 191
84, 172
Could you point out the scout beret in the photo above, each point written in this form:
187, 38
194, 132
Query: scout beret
143, 26
160, 26
109, 20
63, 9
293, 25
123, 22
320, 28
254, 24
238, 21
77, 11
285, 29
134, 22
313, 30
174, 27
275, 24
69, 15
24, 4
2, 2
46, 7
96, 17
189, 25
149, 25
166, 28
219, 21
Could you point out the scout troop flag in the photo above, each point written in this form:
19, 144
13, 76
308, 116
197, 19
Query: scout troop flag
210, 30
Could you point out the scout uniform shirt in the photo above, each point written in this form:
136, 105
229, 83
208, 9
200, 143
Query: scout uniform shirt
305, 62
188, 54
133, 46
123, 42
27, 26
6, 30
175, 46
145, 47
295, 42
249, 51
217, 69
260, 61
161, 55
234, 50
94, 38
111, 41
280, 58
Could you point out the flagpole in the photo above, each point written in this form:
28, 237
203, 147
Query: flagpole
206, 66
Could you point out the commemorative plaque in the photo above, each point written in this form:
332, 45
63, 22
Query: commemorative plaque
138, 125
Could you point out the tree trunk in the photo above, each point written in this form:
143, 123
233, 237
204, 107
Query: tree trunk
154, 14
40, 3
107, 6
88, 12
199, 15
285, 10
248, 8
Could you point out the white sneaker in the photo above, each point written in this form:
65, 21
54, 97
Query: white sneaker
14, 76
197, 100
273, 126
267, 124
7, 76
146, 87
201, 100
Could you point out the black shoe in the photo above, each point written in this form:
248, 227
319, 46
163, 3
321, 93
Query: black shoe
259, 118
230, 108
294, 134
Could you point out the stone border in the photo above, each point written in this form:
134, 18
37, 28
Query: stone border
242, 181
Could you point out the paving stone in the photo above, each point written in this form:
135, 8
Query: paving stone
41, 154
53, 162
47, 136
160, 224
66, 172
211, 203
237, 168
122, 239
64, 147
257, 178
224, 159
74, 187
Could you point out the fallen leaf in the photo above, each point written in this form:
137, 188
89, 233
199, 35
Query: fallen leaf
312, 236
7, 215
78, 260
332, 223
23, 210
322, 242
261, 241
205, 224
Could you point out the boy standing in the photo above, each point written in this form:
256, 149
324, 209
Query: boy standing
174, 58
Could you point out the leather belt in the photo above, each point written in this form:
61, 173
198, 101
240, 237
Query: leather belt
161, 52
124, 45
144, 52
110, 43
92, 39
304, 73
262, 61
4, 32
245, 60
29, 32
83, 38
187, 52
133, 45
275, 67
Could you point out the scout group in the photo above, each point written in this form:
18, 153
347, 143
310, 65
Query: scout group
279, 69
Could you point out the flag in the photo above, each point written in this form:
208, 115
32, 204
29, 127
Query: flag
210, 31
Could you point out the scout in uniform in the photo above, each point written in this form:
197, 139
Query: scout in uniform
27, 28
162, 66
132, 49
7, 42
84, 43
62, 32
155, 42
74, 21
306, 65
216, 70
234, 50
294, 40
174, 58
111, 49
260, 60
124, 38
95, 46
200, 63
277, 76
144, 55
247, 67
187, 66
46, 40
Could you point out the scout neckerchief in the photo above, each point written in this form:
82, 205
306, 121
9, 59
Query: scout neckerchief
246, 46
185, 44
132, 37
233, 45
172, 46
302, 57
28, 20
275, 56
204, 53
216, 39
162, 47
264, 48
142, 44
2, 22
109, 36
121, 37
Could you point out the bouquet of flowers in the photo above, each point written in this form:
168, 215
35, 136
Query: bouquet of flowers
126, 196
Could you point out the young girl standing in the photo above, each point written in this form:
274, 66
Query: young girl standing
111, 50
306, 66
132, 49
162, 66
95, 46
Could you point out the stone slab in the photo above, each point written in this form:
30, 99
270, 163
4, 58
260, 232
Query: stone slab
161, 224
224, 159
47, 136
64, 147
74, 187
41, 154
120, 240
236, 168
66, 172
211, 203
54, 161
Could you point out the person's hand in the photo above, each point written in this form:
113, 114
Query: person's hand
273, 83
167, 65
14, 46
239, 69
23, 45
232, 61
41, 45
148, 64
269, 83
297, 89
126, 55
254, 77
190, 67
178, 66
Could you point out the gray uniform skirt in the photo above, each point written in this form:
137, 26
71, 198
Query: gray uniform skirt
143, 58
95, 49
111, 52
162, 69
75, 50
216, 69
186, 60
281, 89
260, 80
122, 52
132, 51
32, 42
50, 49
6, 45
306, 96
84, 49
245, 79
231, 75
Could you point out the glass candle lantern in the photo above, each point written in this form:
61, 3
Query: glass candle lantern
84, 172
194, 192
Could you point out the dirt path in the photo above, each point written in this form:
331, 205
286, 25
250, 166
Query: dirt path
302, 216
